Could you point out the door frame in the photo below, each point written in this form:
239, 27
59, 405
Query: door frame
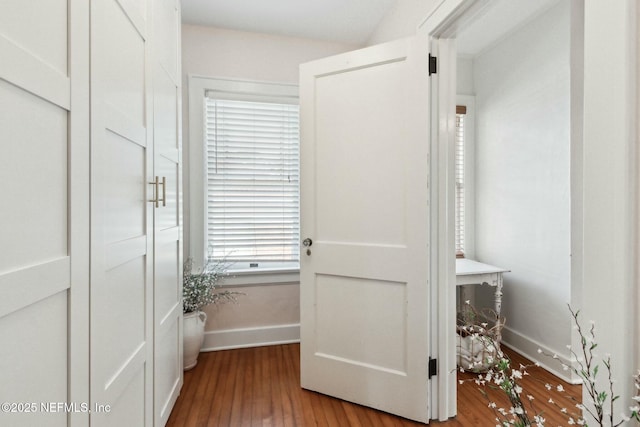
602, 236
440, 26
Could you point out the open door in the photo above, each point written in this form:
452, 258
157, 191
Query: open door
365, 221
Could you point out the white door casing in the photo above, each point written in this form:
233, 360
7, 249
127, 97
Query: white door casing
121, 216
364, 203
440, 27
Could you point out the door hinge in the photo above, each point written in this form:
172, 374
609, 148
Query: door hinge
433, 367
433, 64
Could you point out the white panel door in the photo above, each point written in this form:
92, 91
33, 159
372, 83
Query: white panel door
168, 215
121, 217
364, 288
35, 213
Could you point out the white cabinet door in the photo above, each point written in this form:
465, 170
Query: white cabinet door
121, 216
38, 229
364, 289
168, 215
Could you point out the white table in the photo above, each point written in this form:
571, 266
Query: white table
469, 272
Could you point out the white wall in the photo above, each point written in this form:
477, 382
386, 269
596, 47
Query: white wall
268, 312
402, 20
523, 177
464, 76
610, 240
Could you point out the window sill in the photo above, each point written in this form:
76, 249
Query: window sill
274, 276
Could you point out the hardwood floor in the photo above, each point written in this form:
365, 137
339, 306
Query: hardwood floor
261, 387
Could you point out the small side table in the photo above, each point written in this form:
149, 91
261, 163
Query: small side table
469, 272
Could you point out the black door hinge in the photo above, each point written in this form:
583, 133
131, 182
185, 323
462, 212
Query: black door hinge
433, 64
433, 367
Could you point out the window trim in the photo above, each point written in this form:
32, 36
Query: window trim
195, 228
469, 102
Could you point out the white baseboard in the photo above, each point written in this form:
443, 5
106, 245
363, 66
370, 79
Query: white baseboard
528, 348
286, 334
251, 337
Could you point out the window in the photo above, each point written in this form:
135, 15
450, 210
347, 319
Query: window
252, 180
459, 159
243, 186
464, 159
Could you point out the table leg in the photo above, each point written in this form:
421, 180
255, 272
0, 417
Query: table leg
464, 295
498, 300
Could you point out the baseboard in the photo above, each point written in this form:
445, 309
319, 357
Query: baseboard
528, 348
286, 334
251, 337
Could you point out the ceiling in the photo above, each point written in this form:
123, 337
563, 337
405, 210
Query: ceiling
345, 21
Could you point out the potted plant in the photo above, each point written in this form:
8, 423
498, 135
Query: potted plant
200, 289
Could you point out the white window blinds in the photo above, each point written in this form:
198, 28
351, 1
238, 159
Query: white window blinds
253, 176
459, 180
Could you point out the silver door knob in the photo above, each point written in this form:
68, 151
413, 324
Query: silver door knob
307, 242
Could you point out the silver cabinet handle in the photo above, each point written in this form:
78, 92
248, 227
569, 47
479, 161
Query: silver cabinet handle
156, 192
155, 199
164, 190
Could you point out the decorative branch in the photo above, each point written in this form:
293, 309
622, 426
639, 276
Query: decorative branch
502, 376
201, 288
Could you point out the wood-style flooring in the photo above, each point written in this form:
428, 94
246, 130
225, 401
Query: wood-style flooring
261, 387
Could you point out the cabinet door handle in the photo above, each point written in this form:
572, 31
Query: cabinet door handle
164, 191
155, 199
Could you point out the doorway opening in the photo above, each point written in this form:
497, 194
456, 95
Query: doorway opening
513, 194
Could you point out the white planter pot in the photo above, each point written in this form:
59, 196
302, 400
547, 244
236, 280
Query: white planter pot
193, 336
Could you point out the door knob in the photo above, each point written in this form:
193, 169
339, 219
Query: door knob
307, 242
